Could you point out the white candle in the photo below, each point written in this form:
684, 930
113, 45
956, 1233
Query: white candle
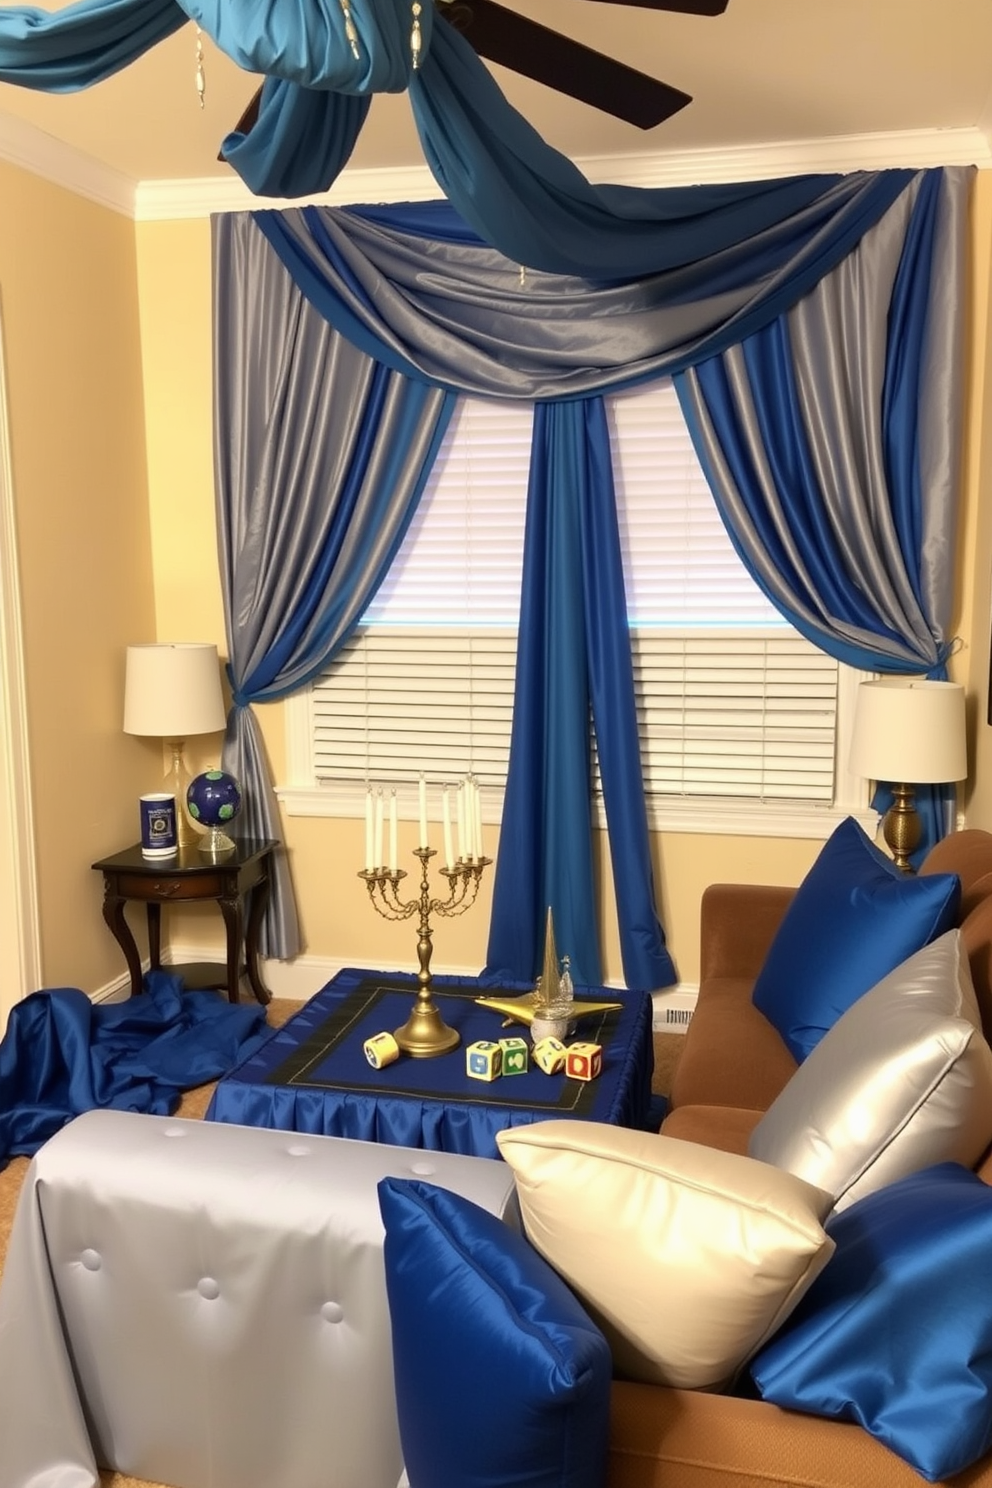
478, 822
423, 812
449, 857
461, 822
369, 865
393, 851
470, 818
378, 829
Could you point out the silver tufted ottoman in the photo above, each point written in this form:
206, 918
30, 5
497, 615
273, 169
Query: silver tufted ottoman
204, 1305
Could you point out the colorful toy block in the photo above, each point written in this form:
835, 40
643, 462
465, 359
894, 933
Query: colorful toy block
381, 1049
583, 1061
484, 1060
515, 1056
549, 1055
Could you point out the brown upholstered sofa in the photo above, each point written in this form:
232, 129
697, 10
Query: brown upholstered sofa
733, 1066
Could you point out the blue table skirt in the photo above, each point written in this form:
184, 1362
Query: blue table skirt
311, 1075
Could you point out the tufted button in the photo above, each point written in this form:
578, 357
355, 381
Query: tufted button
299, 1149
91, 1260
423, 1169
175, 1131
208, 1288
332, 1312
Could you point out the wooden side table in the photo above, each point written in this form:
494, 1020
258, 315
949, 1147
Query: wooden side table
189, 877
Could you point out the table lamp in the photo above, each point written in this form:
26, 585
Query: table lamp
908, 732
172, 690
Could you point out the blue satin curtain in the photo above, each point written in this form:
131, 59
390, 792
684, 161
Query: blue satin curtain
321, 457
849, 558
291, 604
573, 668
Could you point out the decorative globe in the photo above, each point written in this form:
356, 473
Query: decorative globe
214, 798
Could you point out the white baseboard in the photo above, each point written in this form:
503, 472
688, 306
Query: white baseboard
116, 991
300, 979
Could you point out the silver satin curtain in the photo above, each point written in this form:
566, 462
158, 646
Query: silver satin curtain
466, 316
299, 533
841, 344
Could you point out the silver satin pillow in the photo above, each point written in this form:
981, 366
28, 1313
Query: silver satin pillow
901, 1081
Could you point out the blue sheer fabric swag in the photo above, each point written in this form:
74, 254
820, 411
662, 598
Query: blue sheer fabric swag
527, 199
72, 48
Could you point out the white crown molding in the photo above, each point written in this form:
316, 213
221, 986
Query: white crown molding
156, 201
914, 149
43, 155
163, 201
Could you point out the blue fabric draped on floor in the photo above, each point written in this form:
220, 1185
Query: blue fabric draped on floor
63, 1054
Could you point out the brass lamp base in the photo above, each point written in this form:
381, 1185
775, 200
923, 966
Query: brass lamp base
901, 827
425, 1033
177, 781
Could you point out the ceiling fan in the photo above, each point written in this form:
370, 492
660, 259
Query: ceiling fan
515, 41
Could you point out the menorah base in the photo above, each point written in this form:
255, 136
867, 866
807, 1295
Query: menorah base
425, 1033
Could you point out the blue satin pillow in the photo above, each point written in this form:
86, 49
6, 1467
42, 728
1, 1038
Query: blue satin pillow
855, 918
501, 1376
896, 1331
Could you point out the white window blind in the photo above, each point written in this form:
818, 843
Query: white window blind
732, 703
749, 714
405, 699
461, 559
680, 567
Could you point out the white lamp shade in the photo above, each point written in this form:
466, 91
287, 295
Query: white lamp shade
909, 732
173, 690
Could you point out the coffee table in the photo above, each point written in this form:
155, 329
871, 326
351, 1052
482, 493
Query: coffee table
312, 1076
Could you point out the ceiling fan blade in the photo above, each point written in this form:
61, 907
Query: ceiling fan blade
684, 7
515, 41
249, 118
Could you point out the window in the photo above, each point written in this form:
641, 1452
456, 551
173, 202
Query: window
739, 716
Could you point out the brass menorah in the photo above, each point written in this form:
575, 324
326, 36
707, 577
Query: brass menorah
425, 1032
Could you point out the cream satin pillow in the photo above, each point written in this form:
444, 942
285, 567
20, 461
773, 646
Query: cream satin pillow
687, 1258
902, 1080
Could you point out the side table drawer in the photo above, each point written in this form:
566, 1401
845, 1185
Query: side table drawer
202, 886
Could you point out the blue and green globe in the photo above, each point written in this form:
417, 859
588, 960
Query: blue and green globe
214, 798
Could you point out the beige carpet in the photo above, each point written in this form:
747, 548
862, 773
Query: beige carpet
667, 1047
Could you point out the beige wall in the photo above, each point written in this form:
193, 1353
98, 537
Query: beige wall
174, 292
68, 286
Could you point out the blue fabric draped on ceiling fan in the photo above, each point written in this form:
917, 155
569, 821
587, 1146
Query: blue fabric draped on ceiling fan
520, 195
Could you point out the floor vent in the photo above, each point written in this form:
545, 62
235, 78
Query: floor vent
673, 1009
680, 1016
